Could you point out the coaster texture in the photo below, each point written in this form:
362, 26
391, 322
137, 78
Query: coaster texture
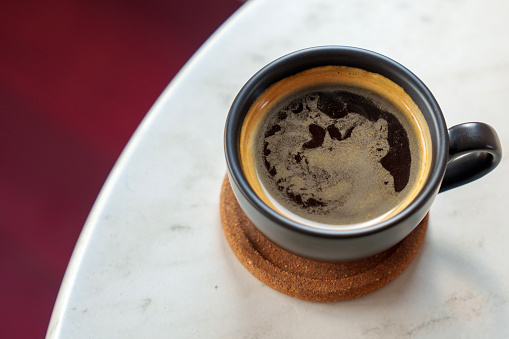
309, 279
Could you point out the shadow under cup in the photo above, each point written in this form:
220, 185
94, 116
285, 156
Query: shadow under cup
345, 244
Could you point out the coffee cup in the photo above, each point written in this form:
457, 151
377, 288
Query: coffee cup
337, 153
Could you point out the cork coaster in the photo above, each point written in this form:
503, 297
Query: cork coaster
309, 279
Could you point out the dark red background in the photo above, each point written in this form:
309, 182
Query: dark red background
76, 78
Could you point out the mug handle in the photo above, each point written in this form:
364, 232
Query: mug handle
474, 151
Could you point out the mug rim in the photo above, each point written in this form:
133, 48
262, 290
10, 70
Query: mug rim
298, 61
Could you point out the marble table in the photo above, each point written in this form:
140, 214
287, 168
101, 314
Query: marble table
152, 260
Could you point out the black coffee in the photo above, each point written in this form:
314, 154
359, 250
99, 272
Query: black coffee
334, 153
334, 156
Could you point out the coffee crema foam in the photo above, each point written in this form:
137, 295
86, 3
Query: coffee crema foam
335, 145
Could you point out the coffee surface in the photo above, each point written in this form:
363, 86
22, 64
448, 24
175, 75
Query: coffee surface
336, 154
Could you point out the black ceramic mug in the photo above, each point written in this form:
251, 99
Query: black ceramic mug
457, 156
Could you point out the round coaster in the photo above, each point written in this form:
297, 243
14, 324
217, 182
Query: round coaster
309, 279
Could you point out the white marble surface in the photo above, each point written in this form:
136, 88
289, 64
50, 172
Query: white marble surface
152, 261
